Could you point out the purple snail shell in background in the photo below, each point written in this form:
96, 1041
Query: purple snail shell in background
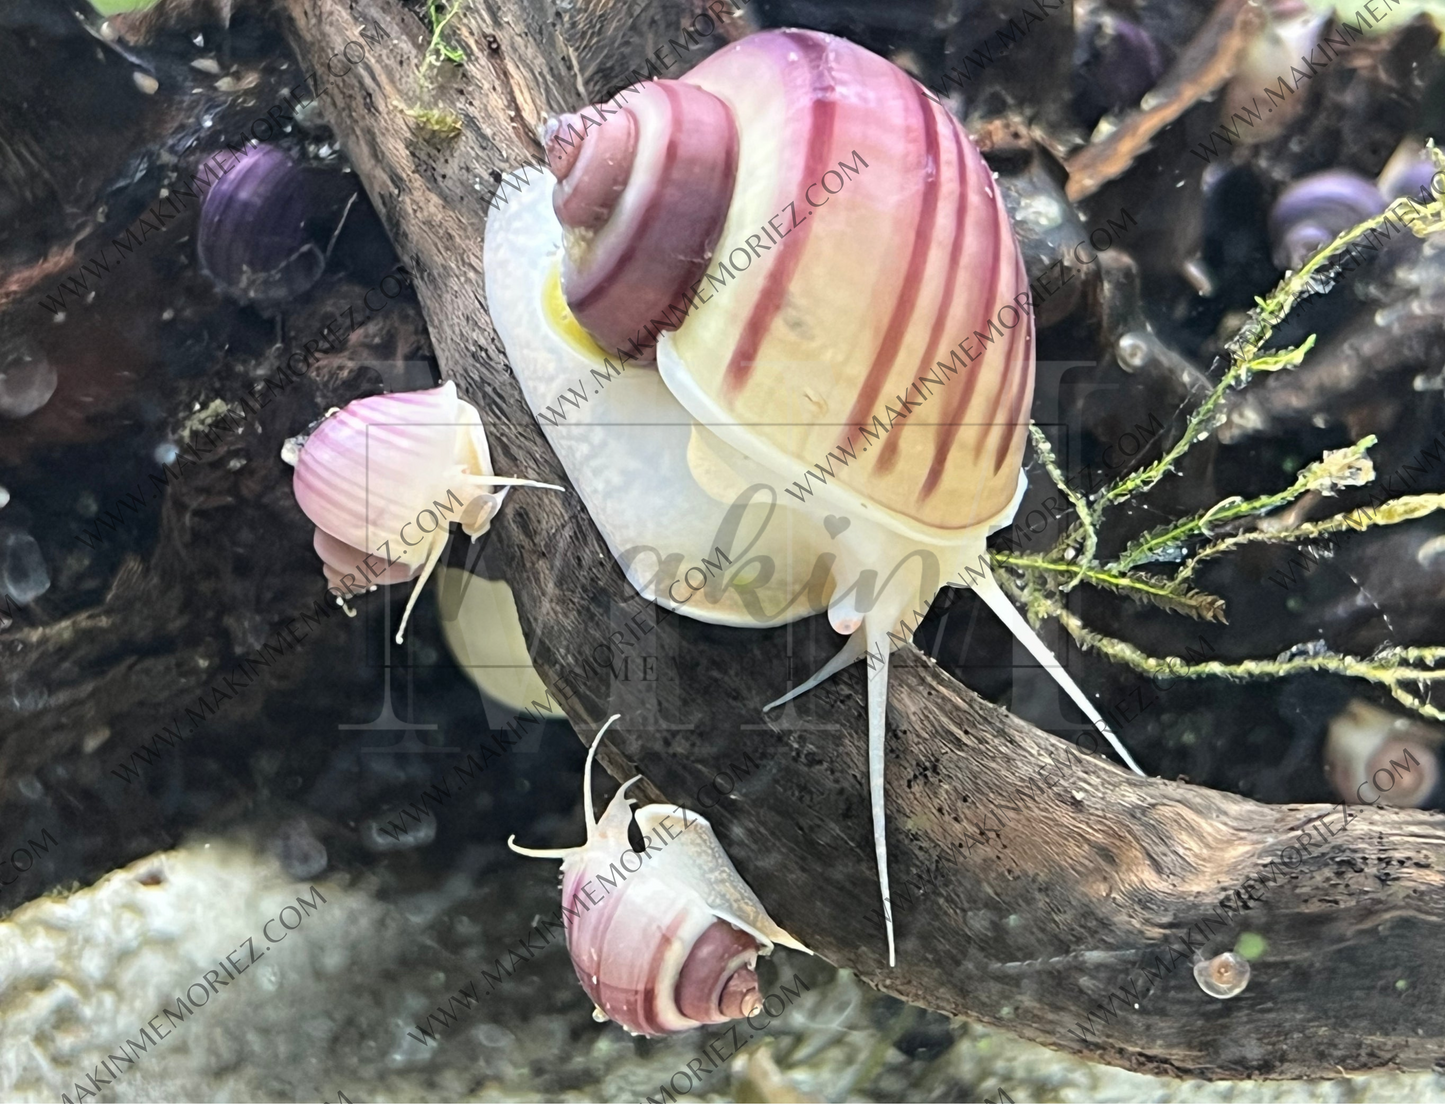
1120, 64
1409, 173
253, 240
1312, 211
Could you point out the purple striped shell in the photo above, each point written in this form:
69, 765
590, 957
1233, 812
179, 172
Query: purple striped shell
846, 239
671, 942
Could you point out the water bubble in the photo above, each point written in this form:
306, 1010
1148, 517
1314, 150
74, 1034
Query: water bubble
1041, 211
1133, 351
302, 855
22, 567
26, 383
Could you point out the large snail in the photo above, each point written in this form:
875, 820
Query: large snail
810, 247
672, 941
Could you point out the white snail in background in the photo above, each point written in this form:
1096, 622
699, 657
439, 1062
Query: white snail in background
853, 241
1291, 31
384, 465
1366, 741
672, 943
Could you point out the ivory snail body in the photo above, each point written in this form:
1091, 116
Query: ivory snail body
889, 243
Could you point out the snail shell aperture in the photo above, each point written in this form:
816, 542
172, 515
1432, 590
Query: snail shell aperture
672, 943
1223, 976
802, 237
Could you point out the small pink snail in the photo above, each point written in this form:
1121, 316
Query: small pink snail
672, 942
384, 465
810, 247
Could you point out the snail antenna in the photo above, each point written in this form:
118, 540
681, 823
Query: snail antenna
987, 588
851, 652
564, 852
587, 773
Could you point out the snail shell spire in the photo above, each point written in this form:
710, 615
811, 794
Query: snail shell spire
673, 945
643, 197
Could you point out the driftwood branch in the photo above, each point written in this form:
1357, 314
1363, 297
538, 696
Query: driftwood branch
1085, 875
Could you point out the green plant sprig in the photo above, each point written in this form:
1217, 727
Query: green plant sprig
437, 51
440, 121
1038, 582
1340, 468
1385, 668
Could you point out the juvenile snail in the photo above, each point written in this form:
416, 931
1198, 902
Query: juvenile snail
849, 235
673, 941
253, 238
1223, 976
1116, 61
371, 472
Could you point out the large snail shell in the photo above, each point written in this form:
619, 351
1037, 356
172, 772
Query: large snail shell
866, 244
907, 253
672, 943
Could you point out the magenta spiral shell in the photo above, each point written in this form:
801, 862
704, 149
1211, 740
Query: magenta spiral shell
664, 939
893, 251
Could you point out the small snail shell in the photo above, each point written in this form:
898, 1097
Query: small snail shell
1223, 976
368, 472
850, 295
253, 237
1409, 172
673, 946
1364, 739
1316, 209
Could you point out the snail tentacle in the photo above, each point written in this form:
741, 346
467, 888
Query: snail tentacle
436, 549
988, 589
877, 632
541, 853
849, 654
587, 774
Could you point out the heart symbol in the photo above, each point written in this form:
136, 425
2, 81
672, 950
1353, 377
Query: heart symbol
835, 524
